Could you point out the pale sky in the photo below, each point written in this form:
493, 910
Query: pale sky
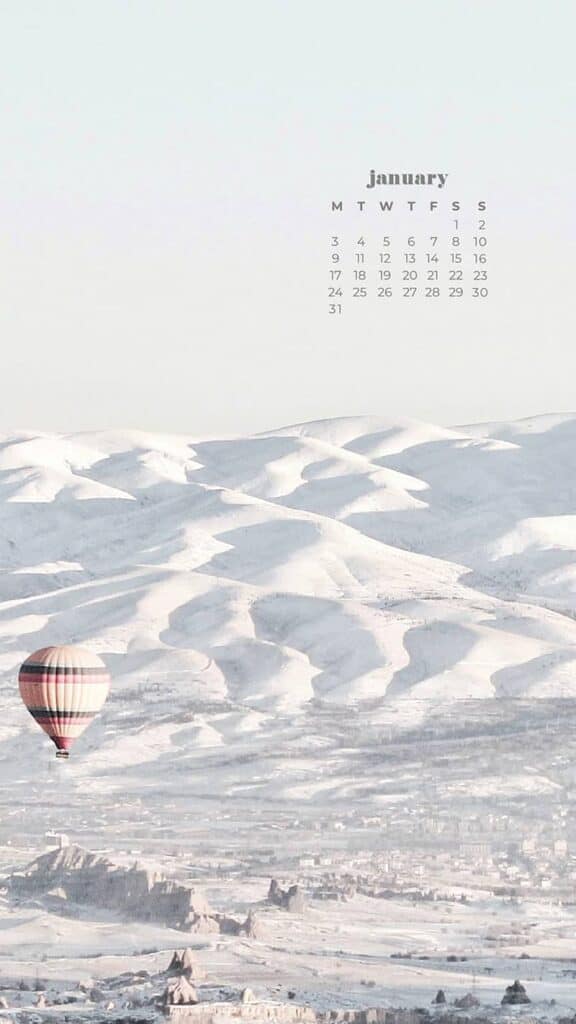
167, 168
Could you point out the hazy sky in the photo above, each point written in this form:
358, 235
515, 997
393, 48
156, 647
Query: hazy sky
167, 167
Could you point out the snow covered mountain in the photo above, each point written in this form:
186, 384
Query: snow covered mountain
229, 583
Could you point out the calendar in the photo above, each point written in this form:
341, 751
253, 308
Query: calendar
407, 238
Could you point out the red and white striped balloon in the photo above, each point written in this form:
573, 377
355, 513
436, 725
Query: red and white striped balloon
63, 689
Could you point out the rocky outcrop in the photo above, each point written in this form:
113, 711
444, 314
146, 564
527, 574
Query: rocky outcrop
135, 892
291, 899
96, 995
180, 992
439, 998
222, 1013
184, 962
252, 928
515, 995
375, 1015
292, 1013
467, 1002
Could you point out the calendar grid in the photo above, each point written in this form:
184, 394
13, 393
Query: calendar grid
441, 253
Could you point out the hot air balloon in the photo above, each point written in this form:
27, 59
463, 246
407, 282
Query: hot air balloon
63, 689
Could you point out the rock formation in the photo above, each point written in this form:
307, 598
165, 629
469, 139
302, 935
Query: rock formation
184, 962
467, 1002
252, 1012
439, 998
515, 995
135, 892
251, 927
180, 992
291, 899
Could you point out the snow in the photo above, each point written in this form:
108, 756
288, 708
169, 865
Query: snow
284, 616
349, 560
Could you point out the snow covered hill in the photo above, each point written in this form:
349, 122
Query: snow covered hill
229, 583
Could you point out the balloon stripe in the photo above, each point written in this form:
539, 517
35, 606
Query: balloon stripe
37, 668
41, 714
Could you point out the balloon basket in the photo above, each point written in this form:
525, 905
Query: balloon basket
63, 753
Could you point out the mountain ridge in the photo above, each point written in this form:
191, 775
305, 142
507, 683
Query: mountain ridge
349, 560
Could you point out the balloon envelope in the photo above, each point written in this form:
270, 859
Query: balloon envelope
63, 689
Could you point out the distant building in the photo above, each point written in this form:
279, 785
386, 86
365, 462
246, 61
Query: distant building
56, 840
479, 852
529, 845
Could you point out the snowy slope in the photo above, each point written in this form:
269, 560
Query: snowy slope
341, 561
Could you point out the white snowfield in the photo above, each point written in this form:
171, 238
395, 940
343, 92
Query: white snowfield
342, 561
345, 559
